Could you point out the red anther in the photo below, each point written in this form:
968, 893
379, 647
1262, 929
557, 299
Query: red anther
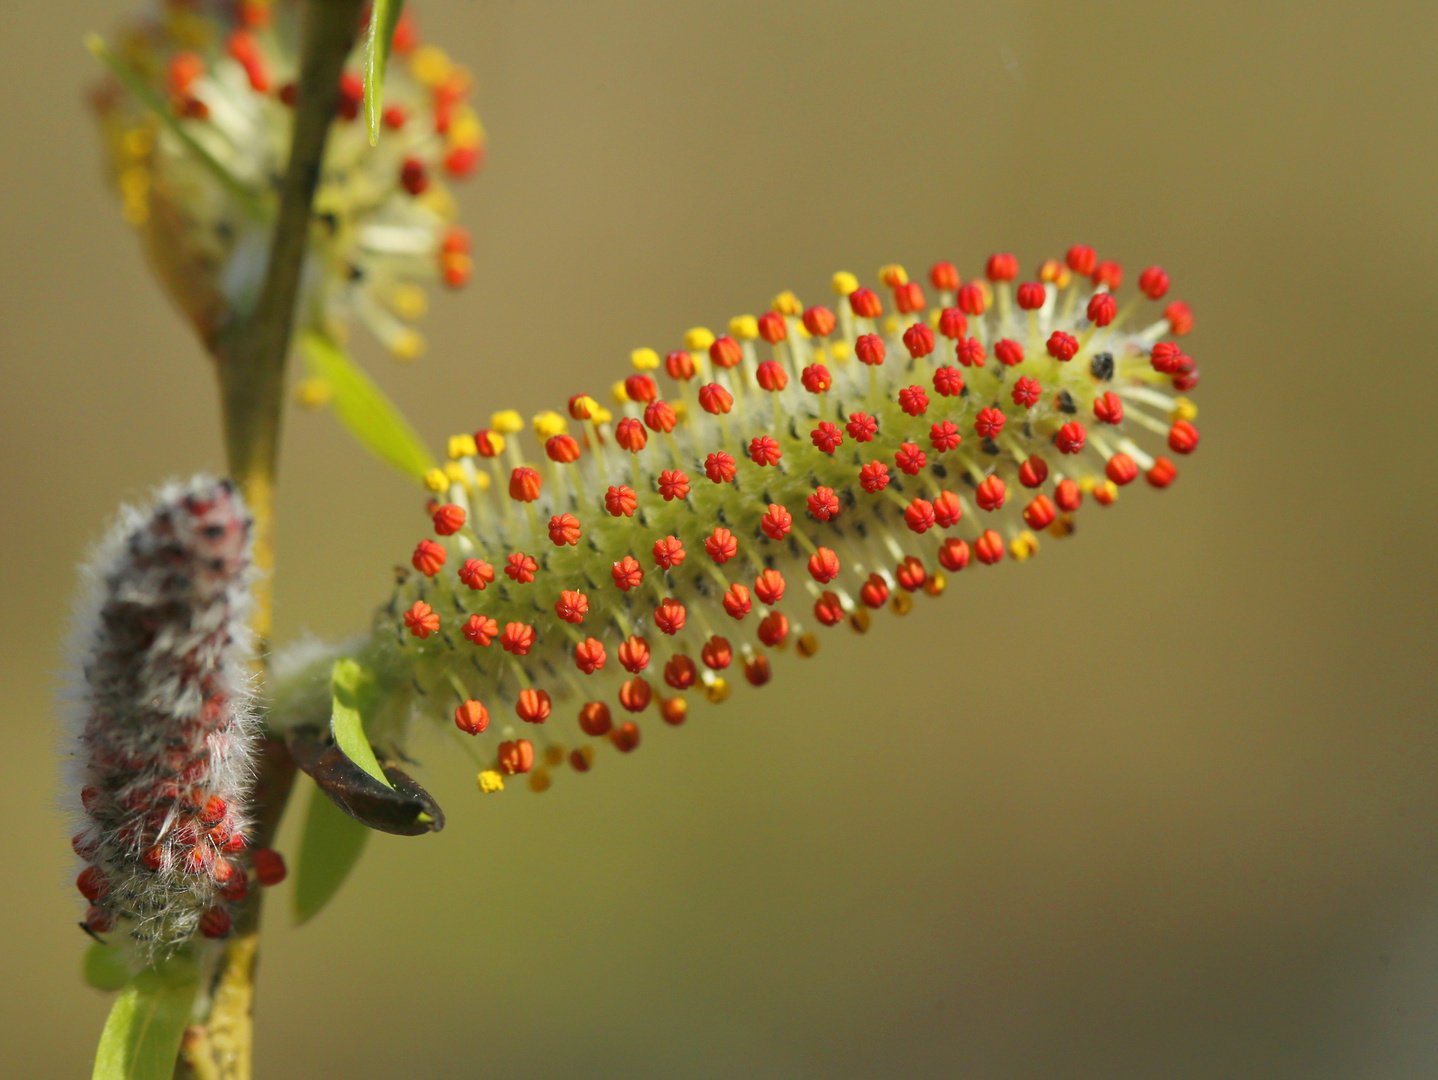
571, 606
991, 493
428, 557
756, 668
269, 866
908, 298
214, 810
562, 449
98, 921
1102, 307
869, 348
721, 546
471, 717
919, 515
629, 433
1001, 267
668, 552
660, 416
1081, 259
944, 436
1166, 357
518, 638
625, 737
828, 610
1040, 512
1162, 473
1033, 472
914, 400
236, 885
394, 117
185, 68
874, 592
448, 519
910, 459
524, 485
862, 427
421, 620
533, 706
827, 437
736, 601
155, 857
819, 321
456, 242
413, 176
476, 573
824, 504
716, 653
463, 160
634, 654
520, 568
351, 95
1009, 353
246, 53
564, 529
1031, 295
771, 376
989, 548
589, 656
1062, 346
953, 554
673, 484
1068, 495
772, 327
621, 501
1105, 494
1182, 437
989, 424
714, 399
1153, 283
1108, 408
865, 303
89, 797
488, 443
1108, 273
952, 323
725, 352
215, 923
776, 522
1070, 438
1053, 272
773, 628
594, 719
92, 883
481, 629
874, 477
947, 510
236, 842
679, 365
816, 379
769, 587
641, 388
515, 757
669, 616
764, 451
911, 574
970, 353
919, 340
1180, 318
627, 573
824, 566
720, 467
944, 276
1184, 383
1121, 469
680, 672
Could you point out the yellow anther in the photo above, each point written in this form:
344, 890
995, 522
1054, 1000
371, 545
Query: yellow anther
843, 283
430, 65
539, 780
507, 422
936, 584
717, 691
465, 130
893, 275
786, 303
455, 474
987, 290
600, 415
1023, 546
496, 440
554, 754
744, 327
462, 446
891, 325
482, 480
312, 393
800, 330
859, 620
409, 301
436, 481
135, 180
589, 404
490, 782
1087, 484
698, 338
934, 316
619, 393
644, 359
1055, 273
439, 200
840, 350
807, 645
681, 410
1183, 409
407, 345
549, 424
137, 142
1062, 526
902, 603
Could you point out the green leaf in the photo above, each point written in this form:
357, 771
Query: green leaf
331, 846
142, 1035
105, 967
364, 410
382, 21
351, 688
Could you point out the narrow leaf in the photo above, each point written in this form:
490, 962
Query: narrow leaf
364, 410
142, 1035
331, 846
349, 685
383, 19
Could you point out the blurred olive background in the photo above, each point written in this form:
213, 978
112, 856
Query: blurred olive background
1159, 803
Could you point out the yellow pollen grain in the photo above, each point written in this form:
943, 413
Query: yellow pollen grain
902, 603
1023, 546
1087, 484
438, 200
490, 782
455, 474
1061, 526
840, 350
462, 446
859, 621
1183, 409
644, 359
681, 410
744, 327
539, 780
619, 393
465, 130
312, 393
481, 480
786, 303
843, 283
893, 275
600, 415
587, 403
507, 422
407, 345
698, 338
549, 424
435, 480
717, 691
936, 584
430, 65
409, 301
891, 325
